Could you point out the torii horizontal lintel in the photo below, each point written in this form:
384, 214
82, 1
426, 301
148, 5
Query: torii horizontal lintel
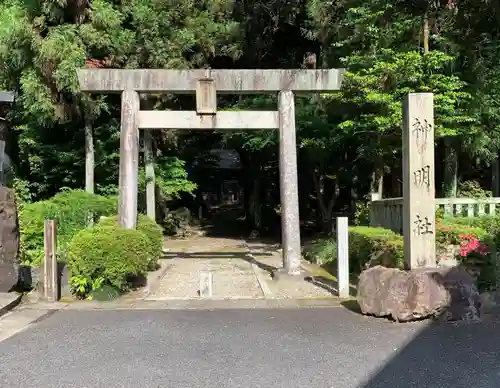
226, 81
223, 120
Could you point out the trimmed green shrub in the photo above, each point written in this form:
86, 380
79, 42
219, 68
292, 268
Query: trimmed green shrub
368, 246
72, 210
152, 231
107, 255
322, 251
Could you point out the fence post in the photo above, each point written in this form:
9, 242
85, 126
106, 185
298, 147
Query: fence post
343, 257
373, 216
51, 273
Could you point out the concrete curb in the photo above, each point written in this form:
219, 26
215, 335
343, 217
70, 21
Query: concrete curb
8, 301
264, 287
203, 304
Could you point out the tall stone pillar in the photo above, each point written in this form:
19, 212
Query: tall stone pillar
129, 160
290, 222
419, 227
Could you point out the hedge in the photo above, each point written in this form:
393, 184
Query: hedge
153, 232
371, 246
107, 255
71, 211
367, 246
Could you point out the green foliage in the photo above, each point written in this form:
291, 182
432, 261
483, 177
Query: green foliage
72, 211
171, 178
104, 293
152, 231
439, 214
322, 251
368, 246
449, 232
176, 222
107, 255
362, 213
345, 138
22, 193
472, 189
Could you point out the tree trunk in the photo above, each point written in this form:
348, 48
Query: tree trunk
326, 210
89, 156
450, 168
256, 205
495, 177
425, 30
377, 184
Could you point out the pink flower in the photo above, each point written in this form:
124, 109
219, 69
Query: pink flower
471, 244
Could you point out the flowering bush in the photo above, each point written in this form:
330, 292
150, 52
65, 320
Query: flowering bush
471, 247
475, 255
450, 234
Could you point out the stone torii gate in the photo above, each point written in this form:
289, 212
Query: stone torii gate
206, 84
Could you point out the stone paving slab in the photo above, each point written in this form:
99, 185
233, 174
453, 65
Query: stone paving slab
268, 258
233, 276
241, 270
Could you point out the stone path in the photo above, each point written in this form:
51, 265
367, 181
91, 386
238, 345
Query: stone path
241, 270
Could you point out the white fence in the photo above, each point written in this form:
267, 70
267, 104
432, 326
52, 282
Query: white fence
388, 212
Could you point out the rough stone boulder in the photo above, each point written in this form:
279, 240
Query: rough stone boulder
9, 240
446, 293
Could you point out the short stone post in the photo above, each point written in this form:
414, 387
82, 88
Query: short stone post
206, 284
373, 209
129, 160
289, 195
343, 256
418, 181
50, 268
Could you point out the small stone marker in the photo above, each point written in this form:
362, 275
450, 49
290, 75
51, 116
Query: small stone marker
343, 257
418, 181
206, 284
51, 289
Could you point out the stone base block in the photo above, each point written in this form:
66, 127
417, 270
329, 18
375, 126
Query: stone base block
449, 294
281, 274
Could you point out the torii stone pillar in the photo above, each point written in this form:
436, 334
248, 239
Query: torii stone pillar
206, 84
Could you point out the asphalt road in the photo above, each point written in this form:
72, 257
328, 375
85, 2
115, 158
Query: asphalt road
247, 348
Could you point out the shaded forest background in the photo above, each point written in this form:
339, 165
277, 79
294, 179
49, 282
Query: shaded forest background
349, 141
